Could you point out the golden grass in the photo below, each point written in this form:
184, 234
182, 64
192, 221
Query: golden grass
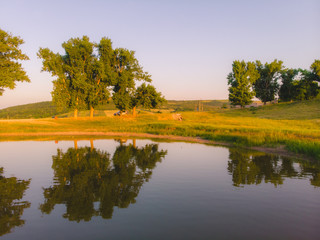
302, 136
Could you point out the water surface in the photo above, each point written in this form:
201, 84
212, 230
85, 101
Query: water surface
140, 189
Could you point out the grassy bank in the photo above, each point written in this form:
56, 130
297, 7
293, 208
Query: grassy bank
300, 136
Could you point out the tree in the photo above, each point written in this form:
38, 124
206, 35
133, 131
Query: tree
241, 80
287, 90
315, 68
101, 76
127, 72
147, 97
266, 86
11, 70
82, 76
306, 86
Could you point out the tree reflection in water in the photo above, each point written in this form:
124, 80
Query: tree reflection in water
11, 210
84, 176
250, 167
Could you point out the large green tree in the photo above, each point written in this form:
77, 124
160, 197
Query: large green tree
267, 86
11, 70
241, 80
82, 78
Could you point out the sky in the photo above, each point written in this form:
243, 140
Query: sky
187, 46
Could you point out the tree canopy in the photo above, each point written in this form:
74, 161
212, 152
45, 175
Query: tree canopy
82, 78
147, 97
288, 88
241, 81
128, 71
267, 86
315, 68
11, 70
272, 80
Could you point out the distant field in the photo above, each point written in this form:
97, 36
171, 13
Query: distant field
47, 109
295, 111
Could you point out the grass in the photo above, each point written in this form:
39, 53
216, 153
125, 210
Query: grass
270, 126
308, 109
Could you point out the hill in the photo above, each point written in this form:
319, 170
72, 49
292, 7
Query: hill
309, 109
300, 110
32, 110
47, 109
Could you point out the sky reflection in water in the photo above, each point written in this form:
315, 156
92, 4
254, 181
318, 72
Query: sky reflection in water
139, 189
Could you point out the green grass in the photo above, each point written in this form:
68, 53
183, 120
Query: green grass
299, 110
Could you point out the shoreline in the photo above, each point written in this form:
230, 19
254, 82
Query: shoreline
276, 150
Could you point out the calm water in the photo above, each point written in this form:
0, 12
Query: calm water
110, 189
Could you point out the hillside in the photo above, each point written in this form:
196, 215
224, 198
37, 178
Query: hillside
309, 109
32, 110
47, 109
300, 110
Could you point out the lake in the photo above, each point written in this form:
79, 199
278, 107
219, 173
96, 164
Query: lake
142, 189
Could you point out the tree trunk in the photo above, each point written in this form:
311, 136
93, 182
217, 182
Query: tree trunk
134, 111
91, 112
75, 113
264, 103
134, 142
91, 144
75, 144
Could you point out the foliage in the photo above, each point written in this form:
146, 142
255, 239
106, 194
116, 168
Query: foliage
88, 72
128, 71
82, 78
241, 80
300, 84
147, 97
287, 91
266, 86
11, 210
11, 70
85, 176
315, 68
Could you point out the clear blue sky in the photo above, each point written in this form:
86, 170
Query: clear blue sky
187, 46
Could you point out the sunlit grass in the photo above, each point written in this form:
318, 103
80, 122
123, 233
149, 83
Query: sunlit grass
300, 136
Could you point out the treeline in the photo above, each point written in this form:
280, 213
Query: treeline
270, 81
